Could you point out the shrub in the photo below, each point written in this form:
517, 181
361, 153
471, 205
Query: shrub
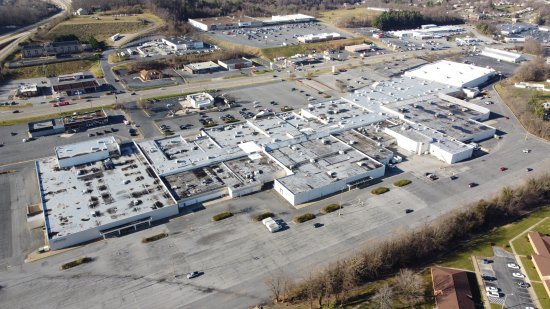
303, 218
260, 217
76, 262
210, 125
330, 208
402, 182
221, 216
154, 237
379, 190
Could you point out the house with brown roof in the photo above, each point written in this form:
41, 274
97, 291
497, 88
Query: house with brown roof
451, 289
541, 257
150, 74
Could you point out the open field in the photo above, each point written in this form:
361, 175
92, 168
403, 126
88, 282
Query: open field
53, 69
481, 246
336, 17
518, 100
287, 51
87, 26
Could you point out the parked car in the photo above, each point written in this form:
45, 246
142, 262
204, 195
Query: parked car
526, 150
316, 225
491, 289
513, 265
524, 284
472, 184
408, 210
193, 274
493, 294
502, 168
518, 275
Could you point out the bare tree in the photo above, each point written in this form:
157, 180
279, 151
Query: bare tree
334, 280
532, 46
410, 284
278, 283
384, 297
534, 70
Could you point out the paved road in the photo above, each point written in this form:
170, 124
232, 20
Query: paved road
23, 34
237, 255
220, 83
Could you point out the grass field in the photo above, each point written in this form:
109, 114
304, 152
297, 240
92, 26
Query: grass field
291, 50
4, 123
518, 101
481, 246
336, 16
53, 69
106, 26
12, 107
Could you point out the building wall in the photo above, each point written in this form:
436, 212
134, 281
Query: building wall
407, 143
82, 159
94, 233
449, 157
334, 187
501, 57
198, 24
195, 199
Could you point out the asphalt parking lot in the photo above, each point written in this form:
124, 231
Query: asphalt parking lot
506, 68
511, 294
134, 82
271, 36
15, 150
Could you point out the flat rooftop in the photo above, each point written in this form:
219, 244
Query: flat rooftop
450, 73
201, 180
181, 40
80, 117
448, 118
72, 195
86, 147
203, 65
368, 146
318, 163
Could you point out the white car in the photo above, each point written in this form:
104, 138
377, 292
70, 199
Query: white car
518, 275
513, 265
493, 294
526, 150
491, 289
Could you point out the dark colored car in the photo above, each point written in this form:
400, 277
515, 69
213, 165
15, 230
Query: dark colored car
193, 274
472, 184
316, 225
408, 210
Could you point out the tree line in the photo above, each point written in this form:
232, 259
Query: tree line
399, 20
414, 248
24, 12
181, 10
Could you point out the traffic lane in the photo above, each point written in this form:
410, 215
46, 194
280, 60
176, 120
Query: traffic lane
516, 296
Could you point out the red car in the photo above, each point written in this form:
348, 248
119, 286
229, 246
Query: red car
502, 168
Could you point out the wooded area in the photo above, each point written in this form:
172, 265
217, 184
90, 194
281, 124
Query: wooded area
181, 10
24, 12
